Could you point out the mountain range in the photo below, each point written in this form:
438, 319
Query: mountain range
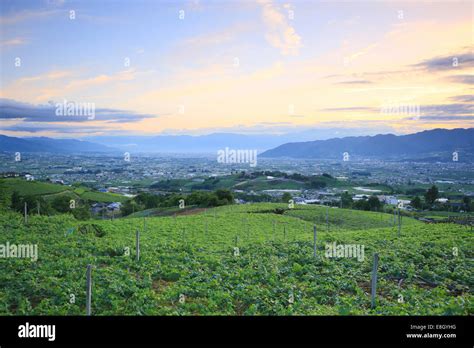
44, 144
434, 143
426, 144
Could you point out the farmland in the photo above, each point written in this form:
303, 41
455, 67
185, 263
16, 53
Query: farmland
49, 191
237, 260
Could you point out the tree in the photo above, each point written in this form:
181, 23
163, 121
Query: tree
316, 183
225, 195
416, 203
431, 195
374, 203
82, 213
346, 200
286, 197
130, 206
467, 203
61, 204
361, 204
16, 201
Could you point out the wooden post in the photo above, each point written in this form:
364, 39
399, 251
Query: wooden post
284, 232
327, 218
315, 237
88, 289
26, 213
399, 222
374, 278
248, 228
138, 245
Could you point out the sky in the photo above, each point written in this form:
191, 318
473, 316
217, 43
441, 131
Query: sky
152, 67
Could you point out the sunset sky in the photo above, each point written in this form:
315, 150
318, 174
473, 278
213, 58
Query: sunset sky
235, 66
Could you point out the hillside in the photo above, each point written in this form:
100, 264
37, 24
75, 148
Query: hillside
189, 265
50, 190
438, 144
43, 144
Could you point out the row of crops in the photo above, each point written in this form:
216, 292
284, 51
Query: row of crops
237, 260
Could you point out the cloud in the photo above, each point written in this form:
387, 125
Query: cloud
445, 118
49, 76
210, 39
448, 110
26, 15
59, 84
13, 42
455, 61
353, 108
11, 109
280, 34
62, 129
354, 82
466, 79
125, 75
468, 98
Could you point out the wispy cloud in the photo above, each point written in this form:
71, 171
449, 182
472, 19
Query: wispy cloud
27, 15
467, 98
11, 109
353, 108
454, 61
465, 79
13, 42
354, 82
280, 34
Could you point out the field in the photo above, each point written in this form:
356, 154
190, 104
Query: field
237, 260
50, 191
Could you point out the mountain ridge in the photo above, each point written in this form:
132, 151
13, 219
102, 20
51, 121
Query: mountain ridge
45, 144
387, 145
424, 143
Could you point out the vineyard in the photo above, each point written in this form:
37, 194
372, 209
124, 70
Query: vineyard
237, 260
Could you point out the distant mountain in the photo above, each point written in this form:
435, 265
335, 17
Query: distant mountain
429, 145
211, 143
43, 144
437, 142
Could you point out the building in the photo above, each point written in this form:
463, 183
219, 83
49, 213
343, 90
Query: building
115, 206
